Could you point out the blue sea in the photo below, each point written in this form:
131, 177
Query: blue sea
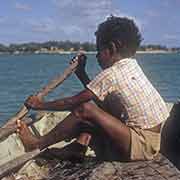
24, 75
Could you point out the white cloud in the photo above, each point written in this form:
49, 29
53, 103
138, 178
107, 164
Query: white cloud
152, 14
46, 25
2, 19
85, 12
24, 7
171, 37
83, 16
63, 3
43, 28
165, 3
79, 19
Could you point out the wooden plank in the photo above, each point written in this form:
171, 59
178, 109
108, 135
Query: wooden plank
158, 169
10, 129
10, 126
13, 165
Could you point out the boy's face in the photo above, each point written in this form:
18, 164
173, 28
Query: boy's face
103, 56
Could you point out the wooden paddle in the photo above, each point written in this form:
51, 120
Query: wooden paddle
10, 127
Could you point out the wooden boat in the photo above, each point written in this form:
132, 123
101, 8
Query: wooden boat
13, 159
161, 167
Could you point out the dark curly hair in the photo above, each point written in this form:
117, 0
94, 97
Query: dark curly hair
122, 32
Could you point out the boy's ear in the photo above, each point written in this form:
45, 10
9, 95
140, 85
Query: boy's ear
112, 48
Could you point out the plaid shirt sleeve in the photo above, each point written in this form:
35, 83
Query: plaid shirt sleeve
101, 85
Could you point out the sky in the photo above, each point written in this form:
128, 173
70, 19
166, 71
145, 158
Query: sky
76, 20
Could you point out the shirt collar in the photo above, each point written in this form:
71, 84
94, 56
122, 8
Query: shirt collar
122, 61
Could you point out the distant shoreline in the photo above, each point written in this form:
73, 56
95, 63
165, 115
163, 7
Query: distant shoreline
155, 52
86, 52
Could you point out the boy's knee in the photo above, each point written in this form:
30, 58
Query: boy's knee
85, 110
89, 107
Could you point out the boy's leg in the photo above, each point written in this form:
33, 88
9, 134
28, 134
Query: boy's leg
118, 132
68, 128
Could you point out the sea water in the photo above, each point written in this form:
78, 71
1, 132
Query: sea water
24, 75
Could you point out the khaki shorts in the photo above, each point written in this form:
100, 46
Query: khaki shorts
145, 144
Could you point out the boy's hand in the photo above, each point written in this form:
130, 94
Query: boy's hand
33, 102
81, 58
84, 111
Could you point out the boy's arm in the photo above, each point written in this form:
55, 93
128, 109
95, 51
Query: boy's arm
83, 77
80, 70
68, 103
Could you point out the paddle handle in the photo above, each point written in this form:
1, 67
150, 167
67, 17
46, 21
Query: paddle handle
57, 81
9, 127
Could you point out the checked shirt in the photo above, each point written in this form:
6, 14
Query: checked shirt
144, 105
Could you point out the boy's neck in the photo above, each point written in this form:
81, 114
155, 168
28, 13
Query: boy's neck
116, 58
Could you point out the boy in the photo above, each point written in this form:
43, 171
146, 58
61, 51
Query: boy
132, 110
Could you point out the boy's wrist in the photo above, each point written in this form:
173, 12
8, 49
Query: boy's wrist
40, 106
80, 72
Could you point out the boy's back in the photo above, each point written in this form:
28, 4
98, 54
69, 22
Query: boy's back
143, 106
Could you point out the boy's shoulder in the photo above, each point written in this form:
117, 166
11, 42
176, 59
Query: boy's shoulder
124, 61
120, 66
124, 64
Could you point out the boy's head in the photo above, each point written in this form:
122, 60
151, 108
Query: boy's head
120, 34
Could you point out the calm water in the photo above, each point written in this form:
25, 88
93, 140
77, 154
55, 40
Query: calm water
23, 75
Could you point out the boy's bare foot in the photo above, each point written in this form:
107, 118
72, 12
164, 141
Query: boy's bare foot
74, 152
29, 141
